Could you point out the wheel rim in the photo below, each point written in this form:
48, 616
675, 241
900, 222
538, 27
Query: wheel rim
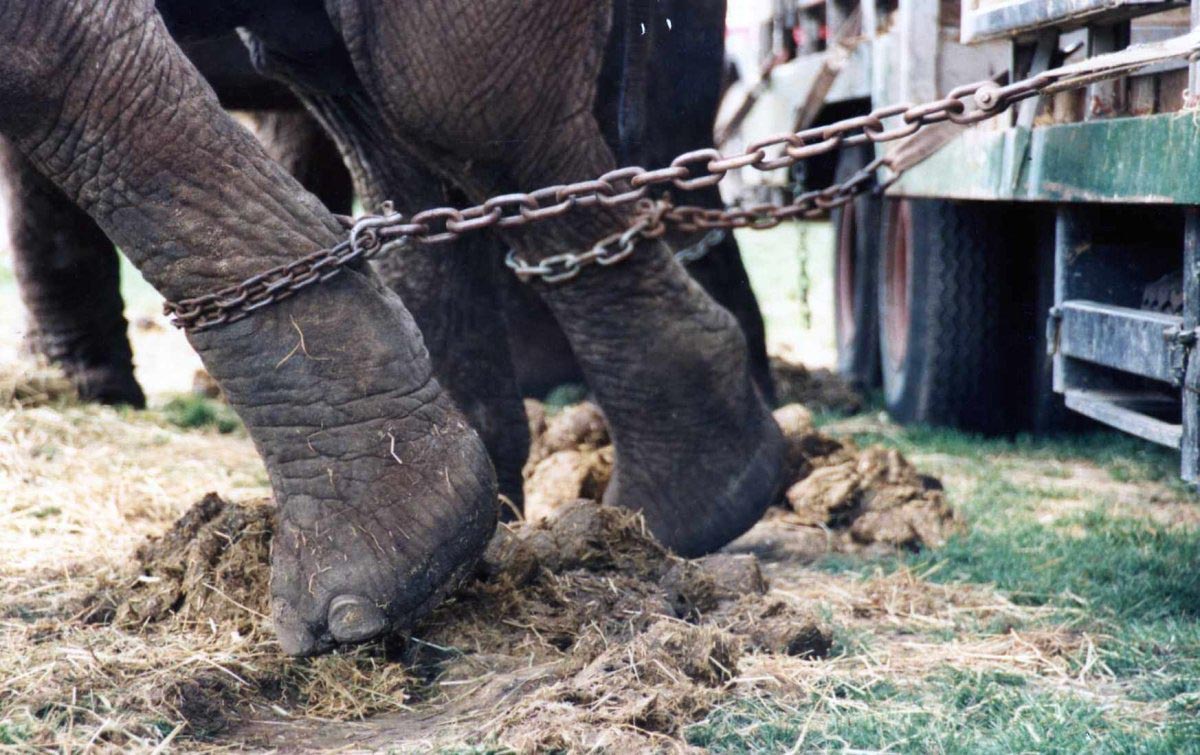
897, 298
845, 270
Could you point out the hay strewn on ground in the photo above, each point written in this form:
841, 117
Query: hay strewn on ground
27, 384
614, 641
611, 642
578, 633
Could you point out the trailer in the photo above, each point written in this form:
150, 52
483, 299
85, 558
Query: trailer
1032, 268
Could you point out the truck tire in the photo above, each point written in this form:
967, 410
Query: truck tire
856, 234
947, 353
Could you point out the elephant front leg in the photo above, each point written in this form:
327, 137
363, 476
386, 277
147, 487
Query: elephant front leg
450, 289
696, 447
501, 100
69, 280
451, 293
385, 495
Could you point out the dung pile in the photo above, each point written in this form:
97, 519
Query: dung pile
571, 457
580, 631
820, 389
210, 567
864, 496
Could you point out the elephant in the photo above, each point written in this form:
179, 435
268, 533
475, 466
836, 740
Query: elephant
674, 94
383, 400
68, 278
75, 329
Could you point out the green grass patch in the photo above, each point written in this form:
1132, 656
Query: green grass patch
567, 394
1127, 459
954, 712
1113, 568
1131, 583
12, 734
195, 412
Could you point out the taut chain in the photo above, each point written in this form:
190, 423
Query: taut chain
374, 235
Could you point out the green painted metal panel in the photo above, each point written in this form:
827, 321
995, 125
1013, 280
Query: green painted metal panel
1151, 159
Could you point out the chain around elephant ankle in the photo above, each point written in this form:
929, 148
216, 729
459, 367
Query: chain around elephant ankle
606, 252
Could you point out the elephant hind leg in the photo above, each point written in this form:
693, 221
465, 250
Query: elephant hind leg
68, 275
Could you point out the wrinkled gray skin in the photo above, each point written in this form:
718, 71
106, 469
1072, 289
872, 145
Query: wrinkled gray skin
658, 97
386, 494
67, 268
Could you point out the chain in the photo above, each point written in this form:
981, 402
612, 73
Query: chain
374, 235
701, 248
563, 267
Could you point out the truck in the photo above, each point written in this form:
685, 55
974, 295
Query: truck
1034, 268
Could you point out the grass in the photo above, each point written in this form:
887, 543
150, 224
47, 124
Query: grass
196, 412
1101, 550
950, 712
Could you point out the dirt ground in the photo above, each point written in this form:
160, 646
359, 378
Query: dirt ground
580, 632
988, 596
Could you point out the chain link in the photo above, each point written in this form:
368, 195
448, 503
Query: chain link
616, 248
701, 248
374, 235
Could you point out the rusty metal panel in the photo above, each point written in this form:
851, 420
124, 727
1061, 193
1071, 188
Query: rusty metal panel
982, 19
1130, 340
1126, 412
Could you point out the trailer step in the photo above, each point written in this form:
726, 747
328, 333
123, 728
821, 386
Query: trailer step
1136, 341
1129, 412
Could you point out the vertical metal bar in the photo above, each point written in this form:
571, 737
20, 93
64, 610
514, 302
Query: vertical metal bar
1107, 98
1190, 446
1194, 68
1043, 56
920, 47
1066, 237
870, 17
836, 13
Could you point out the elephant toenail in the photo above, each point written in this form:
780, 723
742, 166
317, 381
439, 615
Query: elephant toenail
355, 619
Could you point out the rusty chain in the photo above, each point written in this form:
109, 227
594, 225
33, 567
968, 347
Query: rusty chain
375, 235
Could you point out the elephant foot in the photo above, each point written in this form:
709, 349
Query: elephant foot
107, 384
386, 495
696, 448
